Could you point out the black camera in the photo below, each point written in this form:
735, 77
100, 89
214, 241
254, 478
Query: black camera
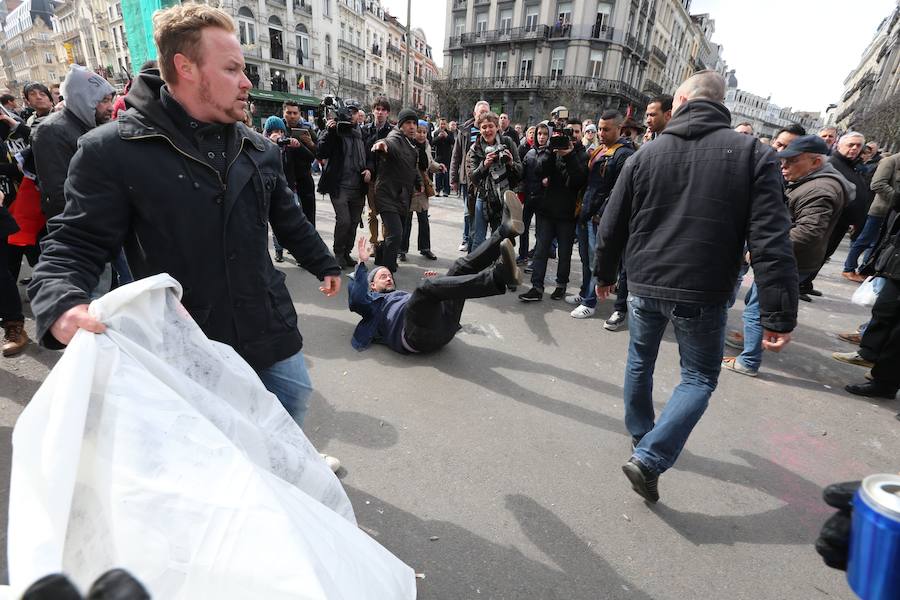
333, 108
560, 142
285, 141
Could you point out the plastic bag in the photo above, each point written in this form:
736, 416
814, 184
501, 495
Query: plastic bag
152, 448
867, 292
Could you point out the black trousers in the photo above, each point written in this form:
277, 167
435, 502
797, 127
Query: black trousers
386, 256
348, 206
306, 192
15, 256
546, 230
424, 241
10, 301
433, 313
621, 303
881, 341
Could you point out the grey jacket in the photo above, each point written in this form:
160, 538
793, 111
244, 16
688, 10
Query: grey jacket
885, 184
815, 203
54, 144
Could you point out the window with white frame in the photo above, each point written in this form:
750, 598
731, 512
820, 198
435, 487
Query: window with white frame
531, 17
246, 27
557, 62
481, 23
596, 64
526, 64
501, 64
478, 64
505, 21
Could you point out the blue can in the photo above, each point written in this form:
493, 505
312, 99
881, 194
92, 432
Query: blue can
873, 569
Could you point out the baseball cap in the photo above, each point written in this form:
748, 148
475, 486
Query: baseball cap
803, 144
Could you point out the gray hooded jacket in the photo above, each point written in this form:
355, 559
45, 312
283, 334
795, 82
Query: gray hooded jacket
55, 140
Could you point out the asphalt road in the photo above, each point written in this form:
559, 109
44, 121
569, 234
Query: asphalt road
493, 466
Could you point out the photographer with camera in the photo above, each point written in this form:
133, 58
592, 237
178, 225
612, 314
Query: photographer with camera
346, 176
276, 130
494, 167
556, 210
298, 168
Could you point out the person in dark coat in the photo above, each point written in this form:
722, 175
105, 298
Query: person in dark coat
398, 177
378, 129
13, 320
556, 213
681, 226
189, 191
299, 159
443, 152
535, 168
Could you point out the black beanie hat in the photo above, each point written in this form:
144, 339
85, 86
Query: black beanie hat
407, 114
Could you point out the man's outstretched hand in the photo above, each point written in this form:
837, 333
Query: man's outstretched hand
71, 321
331, 286
362, 249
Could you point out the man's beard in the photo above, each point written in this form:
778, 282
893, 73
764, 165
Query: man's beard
228, 109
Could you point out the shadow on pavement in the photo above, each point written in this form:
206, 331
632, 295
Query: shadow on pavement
352, 427
462, 564
797, 522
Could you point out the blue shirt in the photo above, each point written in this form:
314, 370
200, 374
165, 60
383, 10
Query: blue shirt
382, 314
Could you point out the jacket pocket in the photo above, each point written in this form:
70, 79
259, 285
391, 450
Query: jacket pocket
282, 306
264, 186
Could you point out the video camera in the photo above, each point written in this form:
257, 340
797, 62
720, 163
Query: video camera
560, 132
334, 108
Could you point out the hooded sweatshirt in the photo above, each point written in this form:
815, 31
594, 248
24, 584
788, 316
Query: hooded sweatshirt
83, 90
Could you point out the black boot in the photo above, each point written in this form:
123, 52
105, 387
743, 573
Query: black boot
872, 389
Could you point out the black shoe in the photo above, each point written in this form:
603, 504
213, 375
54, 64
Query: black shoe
428, 254
872, 389
814, 292
509, 272
532, 295
401, 256
805, 297
552, 254
643, 480
529, 268
558, 294
279, 257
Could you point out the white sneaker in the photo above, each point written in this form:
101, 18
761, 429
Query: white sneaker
333, 463
574, 300
583, 312
463, 247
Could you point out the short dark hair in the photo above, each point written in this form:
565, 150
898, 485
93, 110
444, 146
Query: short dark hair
6, 98
611, 115
743, 123
34, 86
573, 121
382, 102
148, 65
290, 103
794, 128
665, 102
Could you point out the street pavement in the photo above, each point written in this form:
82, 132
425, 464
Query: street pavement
493, 466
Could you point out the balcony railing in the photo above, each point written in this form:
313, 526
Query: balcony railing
652, 88
567, 82
278, 3
540, 32
460, 4
376, 50
376, 80
393, 49
659, 55
418, 80
251, 51
393, 76
303, 9
351, 47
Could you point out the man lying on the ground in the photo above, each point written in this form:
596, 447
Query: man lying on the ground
427, 319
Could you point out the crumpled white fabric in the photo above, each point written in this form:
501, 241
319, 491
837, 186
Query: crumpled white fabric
152, 448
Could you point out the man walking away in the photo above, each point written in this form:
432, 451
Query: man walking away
682, 226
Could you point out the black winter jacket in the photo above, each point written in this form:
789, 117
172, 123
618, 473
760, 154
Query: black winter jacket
566, 177
535, 166
53, 144
141, 182
398, 174
372, 134
480, 182
332, 149
443, 146
683, 208
857, 209
601, 179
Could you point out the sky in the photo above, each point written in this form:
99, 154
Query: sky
799, 51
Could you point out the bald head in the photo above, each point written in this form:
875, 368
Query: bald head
705, 85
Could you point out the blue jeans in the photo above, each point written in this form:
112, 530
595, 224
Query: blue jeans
700, 331
478, 231
865, 242
464, 194
289, 380
587, 239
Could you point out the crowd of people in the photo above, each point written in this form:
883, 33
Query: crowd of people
671, 238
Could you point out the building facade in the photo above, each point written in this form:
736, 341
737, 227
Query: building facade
876, 78
527, 56
766, 117
91, 33
28, 49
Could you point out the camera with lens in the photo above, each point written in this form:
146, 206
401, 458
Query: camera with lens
496, 150
334, 108
285, 141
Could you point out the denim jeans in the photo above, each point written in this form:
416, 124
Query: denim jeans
525, 237
442, 182
478, 231
700, 331
865, 242
467, 218
587, 239
751, 355
289, 380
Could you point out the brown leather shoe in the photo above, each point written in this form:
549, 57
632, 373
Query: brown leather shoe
853, 276
850, 338
15, 339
